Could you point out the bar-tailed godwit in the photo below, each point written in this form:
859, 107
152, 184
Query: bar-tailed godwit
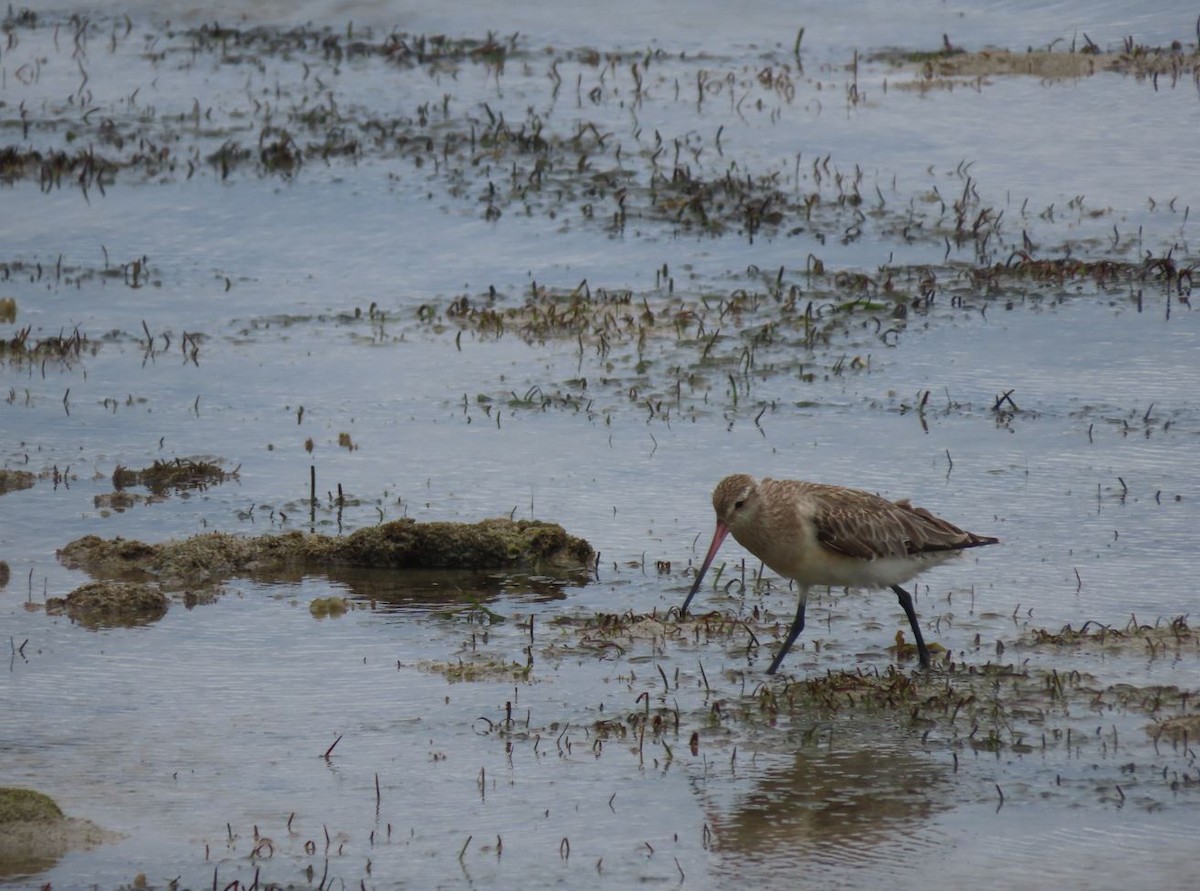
817, 534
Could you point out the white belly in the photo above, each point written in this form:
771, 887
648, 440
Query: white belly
811, 564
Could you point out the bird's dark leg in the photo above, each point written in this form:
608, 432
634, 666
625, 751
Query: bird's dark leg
906, 602
797, 627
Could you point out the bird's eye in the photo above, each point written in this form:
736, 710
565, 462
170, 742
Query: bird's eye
737, 505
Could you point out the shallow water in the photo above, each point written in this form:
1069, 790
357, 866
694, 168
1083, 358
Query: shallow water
199, 735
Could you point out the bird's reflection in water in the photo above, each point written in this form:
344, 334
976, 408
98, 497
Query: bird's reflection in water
835, 808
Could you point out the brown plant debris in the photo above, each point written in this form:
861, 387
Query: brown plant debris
121, 501
1176, 729
484, 669
15, 480
1163, 634
177, 474
1138, 61
58, 348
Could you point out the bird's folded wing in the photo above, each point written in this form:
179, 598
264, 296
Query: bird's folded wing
887, 529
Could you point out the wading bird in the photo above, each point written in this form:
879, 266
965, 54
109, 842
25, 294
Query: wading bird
817, 534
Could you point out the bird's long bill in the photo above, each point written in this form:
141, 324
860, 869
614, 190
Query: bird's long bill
718, 537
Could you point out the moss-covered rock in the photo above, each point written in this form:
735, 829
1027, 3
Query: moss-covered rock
104, 603
498, 543
15, 480
207, 559
27, 806
34, 832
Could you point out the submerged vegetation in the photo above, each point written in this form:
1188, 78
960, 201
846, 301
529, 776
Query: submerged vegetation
943, 67
570, 156
481, 156
1160, 636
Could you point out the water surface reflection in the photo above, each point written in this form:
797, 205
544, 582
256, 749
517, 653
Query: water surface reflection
829, 809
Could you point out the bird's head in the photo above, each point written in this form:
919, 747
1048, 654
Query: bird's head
736, 502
